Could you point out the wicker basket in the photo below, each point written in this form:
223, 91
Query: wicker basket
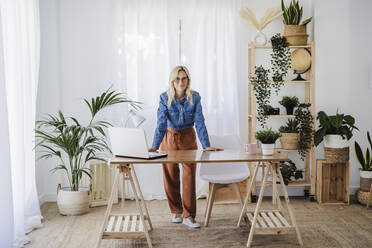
362, 197
289, 141
337, 155
295, 34
365, 184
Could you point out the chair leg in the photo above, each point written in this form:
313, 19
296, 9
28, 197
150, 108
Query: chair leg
369, 196
238, 193
210, 203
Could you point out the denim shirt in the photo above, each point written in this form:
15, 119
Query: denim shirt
180, 115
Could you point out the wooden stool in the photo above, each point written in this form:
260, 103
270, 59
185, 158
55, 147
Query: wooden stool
126, 226
269, 221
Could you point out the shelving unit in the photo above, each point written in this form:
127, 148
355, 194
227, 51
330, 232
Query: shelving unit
309, 85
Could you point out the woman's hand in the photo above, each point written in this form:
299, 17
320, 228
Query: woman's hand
152, 149
213, 149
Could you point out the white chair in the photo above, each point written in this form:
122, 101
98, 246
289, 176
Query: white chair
223, 174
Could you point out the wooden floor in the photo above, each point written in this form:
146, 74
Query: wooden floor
320, 226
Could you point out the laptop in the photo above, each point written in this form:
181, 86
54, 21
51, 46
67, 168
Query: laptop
131, 143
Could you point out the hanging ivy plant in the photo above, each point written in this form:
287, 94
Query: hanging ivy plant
262, 92
280, 61
305, 120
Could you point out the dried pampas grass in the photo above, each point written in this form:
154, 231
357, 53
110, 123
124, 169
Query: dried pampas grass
270, 15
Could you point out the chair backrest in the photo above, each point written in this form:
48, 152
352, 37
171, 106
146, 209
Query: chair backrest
225, 142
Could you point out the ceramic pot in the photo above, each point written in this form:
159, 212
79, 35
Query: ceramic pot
268, 149
72, 202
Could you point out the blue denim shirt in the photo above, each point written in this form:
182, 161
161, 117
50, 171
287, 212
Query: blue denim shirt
180, 115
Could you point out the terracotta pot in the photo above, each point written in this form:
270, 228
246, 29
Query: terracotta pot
295, 34
72, 202
289, 141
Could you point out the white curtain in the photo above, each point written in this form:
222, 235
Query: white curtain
147, 38
20, 40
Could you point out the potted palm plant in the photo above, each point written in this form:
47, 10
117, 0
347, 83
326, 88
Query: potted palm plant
294, 32
74, 145
336, 131
289, 135
267, 138
289, 103
365, 162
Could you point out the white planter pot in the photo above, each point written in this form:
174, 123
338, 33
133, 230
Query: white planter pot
335, 141
268, 149
73, 202
365, 174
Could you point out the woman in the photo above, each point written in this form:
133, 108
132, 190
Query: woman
179, 109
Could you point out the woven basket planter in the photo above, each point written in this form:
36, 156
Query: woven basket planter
289, 141
295, 34
362, 197
337, 155
365, 180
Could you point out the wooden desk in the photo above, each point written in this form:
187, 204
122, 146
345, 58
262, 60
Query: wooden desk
112, 226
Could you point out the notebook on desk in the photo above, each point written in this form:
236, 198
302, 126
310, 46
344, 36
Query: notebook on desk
131, 143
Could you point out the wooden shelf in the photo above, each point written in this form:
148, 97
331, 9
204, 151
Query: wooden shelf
124, 226
275, 116
270, 222
270, 47
300, 183
285, 150
292, 81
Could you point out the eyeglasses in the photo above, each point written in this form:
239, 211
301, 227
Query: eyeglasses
183, 79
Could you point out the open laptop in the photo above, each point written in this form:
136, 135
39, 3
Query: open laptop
131, 143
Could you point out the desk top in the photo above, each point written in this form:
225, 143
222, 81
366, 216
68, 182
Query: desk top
199, 156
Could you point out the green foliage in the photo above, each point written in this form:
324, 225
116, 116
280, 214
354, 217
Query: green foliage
289, 170
290, 127
73, 144
293, 14
267, 136
280, 61
305, 127
288, 101
339, 124
262, 91
364, 161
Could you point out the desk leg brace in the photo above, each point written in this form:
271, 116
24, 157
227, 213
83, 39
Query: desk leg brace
271, 221
125, 225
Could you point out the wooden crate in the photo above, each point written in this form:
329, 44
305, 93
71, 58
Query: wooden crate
333, 181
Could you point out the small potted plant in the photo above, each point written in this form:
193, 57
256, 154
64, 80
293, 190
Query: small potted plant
336, 131
289, 103
289, 171
365, 162
289, 135
267, 138
74, 145
269, 110
294, 32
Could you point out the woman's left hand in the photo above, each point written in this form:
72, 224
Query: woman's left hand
213, 149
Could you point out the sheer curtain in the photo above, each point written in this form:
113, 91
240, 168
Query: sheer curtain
147, 36
20, 40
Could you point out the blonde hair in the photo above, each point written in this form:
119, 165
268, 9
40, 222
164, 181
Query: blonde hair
171, 91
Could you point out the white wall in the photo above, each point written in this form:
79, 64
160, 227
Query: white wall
343, 66
343, 60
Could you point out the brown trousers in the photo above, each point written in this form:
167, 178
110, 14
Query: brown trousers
180, 140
